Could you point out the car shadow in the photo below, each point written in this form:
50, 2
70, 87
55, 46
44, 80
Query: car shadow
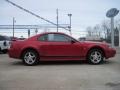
1, 53
62, 62
110, 62
20, 63
17, 63
53, 63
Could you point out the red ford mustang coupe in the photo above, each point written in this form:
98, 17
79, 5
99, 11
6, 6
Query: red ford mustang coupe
54, 46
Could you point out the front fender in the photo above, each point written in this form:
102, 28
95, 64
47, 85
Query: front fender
88, 48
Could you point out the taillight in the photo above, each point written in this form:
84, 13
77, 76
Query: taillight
11, 46
10, 43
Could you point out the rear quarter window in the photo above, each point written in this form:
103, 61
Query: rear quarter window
43, 38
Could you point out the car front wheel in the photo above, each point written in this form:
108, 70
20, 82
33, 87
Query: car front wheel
95, 56
30, 57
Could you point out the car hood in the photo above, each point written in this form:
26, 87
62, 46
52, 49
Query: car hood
92, 42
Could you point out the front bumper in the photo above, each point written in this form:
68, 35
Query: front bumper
110, 53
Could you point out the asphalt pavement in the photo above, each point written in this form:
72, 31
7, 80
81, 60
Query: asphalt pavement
59, 75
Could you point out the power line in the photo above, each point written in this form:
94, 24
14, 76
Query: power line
57, 19
29, 26
34, 14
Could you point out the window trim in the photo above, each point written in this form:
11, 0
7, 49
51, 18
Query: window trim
71, 38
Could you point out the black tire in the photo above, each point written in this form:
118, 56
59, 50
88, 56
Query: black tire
5, 51
0, 51
30, 57
95, 56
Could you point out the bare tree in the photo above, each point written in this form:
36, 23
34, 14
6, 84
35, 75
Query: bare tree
103, 29
95, 31
106, 28
89, 31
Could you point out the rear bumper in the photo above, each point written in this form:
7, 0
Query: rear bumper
110, 53
13, 53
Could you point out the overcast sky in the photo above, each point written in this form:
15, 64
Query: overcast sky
84, 12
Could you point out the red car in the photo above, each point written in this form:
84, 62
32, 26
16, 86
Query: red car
54, 46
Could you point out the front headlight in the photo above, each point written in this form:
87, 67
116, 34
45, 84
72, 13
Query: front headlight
109, 46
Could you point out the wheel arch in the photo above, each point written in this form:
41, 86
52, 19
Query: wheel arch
28, 48
96, 47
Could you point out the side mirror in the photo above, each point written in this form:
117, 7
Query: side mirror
72, 41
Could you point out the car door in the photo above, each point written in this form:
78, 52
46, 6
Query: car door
60, 45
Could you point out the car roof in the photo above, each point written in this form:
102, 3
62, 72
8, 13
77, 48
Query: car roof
51, 33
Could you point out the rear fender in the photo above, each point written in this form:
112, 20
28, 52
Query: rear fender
29, 48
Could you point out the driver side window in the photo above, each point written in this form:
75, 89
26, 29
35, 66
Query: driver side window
60, 38
55, 37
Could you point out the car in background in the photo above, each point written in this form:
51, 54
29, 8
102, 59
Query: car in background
56, 46
4, 43
14, 38
22, 38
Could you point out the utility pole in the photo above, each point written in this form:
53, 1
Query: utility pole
28, 33
119, 35
70, 15
26, 10
57, 19
112, 32
36, 31
13, 26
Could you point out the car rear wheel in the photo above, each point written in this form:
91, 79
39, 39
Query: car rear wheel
30, 57
95, 56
